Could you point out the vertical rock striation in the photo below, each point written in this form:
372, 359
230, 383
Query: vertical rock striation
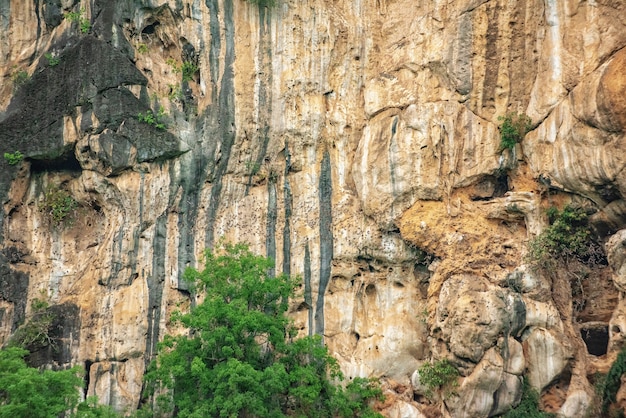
357, 144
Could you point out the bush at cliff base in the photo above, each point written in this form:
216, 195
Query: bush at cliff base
240, 357
29, 392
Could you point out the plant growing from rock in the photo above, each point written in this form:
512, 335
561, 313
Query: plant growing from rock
59, 206
19, 78
513, 128
142, 48
13, 158
83, 22
528, 406
187, 68
568, 252
34, 333
567, 238
610, 384
52, 60
153, 119
440, 376
175, 93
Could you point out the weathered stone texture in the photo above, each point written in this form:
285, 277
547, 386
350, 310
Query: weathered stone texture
357, 144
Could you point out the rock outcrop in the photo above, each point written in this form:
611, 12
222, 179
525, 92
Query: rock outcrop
356, 144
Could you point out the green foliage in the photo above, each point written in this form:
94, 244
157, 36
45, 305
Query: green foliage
13, 158
142, 48
83, 22
609, 386
52, 60
187, 68
240, 359
568, 237
19, 78
355, 399
85, 26
29, 392
440, 375
59, 205
74, 16
155, 120
513, 129
34, 333
90, 408
528, 406
175, 92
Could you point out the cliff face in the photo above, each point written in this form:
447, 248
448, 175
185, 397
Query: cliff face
357, 144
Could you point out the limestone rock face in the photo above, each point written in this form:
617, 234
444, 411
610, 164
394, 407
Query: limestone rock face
356, 144
473, 314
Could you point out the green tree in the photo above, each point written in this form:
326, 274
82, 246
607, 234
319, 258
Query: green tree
240, 358
29, 392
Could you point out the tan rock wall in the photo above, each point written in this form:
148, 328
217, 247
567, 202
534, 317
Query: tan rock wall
357, 144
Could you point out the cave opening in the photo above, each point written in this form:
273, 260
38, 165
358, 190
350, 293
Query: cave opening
66, 162
88, 364
596, 339
151, 28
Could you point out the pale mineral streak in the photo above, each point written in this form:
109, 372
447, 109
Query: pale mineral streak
357, 144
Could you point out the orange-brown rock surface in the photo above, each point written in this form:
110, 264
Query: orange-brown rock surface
357, 144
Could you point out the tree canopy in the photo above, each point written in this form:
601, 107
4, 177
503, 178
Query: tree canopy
240, 358
29, 392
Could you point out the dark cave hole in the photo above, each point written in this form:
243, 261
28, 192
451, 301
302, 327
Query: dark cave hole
370, 290
88, 364
149, 29
596, 339
67, 162
501, 185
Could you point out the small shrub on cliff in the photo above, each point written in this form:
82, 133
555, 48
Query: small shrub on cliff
528, 406
19, 78
34, 333
513, 129
83, 22
59, 205
52, 60
187, 68
240, 358
440, 375
13, 158
153, 119
567, 238
142, 48
610, 384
